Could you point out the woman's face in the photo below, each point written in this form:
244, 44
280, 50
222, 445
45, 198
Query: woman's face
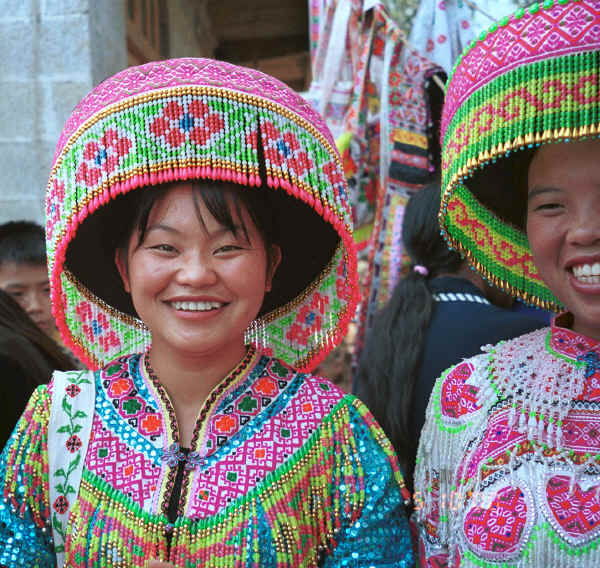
563, 226
196, 287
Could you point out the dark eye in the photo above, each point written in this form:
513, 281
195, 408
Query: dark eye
228, 248
548, 207
163, 248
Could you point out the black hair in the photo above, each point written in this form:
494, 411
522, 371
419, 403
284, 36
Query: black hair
389, 365
220, 200
14, 318
501, 186
22, 242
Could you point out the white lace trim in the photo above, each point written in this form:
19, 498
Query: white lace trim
459, 297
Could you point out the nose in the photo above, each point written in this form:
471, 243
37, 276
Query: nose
584, 227
196, 271
32, 302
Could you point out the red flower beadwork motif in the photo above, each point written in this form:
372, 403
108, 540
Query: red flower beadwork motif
285, 148
120, 387
151, 423
73, 443
53, 209
335, 176
102, 156
265, 386
61, 504
73, 390
225, 424
308, 319
97, 328
194, 121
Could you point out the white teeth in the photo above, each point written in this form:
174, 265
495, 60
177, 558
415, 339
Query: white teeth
196, 306
587, 273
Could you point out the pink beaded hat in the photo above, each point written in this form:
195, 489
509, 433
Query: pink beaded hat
199, 119
533, 78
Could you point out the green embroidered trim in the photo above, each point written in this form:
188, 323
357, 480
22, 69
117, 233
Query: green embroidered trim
575, 362
545, 529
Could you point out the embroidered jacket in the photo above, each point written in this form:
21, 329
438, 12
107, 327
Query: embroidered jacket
284, 470
508, 468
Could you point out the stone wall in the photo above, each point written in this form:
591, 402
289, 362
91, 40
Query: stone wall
53, 52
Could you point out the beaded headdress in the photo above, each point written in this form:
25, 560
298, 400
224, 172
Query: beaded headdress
199, 119
531, 79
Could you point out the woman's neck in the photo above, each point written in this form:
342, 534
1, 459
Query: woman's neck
189, 379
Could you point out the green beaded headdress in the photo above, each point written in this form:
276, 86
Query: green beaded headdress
531, 79
199, 119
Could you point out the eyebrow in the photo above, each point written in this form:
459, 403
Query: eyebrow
540, 190
159, 226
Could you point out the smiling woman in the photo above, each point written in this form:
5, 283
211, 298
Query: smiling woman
509, 458
202, 263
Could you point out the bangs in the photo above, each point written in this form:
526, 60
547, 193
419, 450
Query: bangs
223, 201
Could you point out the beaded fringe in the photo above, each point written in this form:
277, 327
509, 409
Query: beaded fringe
26, 466
301, 502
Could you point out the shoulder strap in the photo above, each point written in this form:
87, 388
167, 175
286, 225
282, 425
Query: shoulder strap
71, 414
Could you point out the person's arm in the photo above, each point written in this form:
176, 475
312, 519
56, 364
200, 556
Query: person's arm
374, 532
25, 529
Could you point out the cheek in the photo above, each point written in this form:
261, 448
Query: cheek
544, 237
145, 277
250, 276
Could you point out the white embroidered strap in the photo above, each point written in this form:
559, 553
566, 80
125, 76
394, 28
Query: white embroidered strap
71, 414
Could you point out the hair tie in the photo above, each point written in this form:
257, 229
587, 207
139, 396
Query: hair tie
422, 270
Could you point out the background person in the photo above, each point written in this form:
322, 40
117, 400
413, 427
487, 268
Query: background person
27, 359
24, 272
202, 255
421, 332
507, 467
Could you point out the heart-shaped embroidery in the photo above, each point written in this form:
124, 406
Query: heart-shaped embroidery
457, 397
574, 513
501, 529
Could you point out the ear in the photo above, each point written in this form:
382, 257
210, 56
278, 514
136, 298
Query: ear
274, 262
123, 269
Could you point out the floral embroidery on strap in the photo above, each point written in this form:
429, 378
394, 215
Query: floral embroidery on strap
69, 432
